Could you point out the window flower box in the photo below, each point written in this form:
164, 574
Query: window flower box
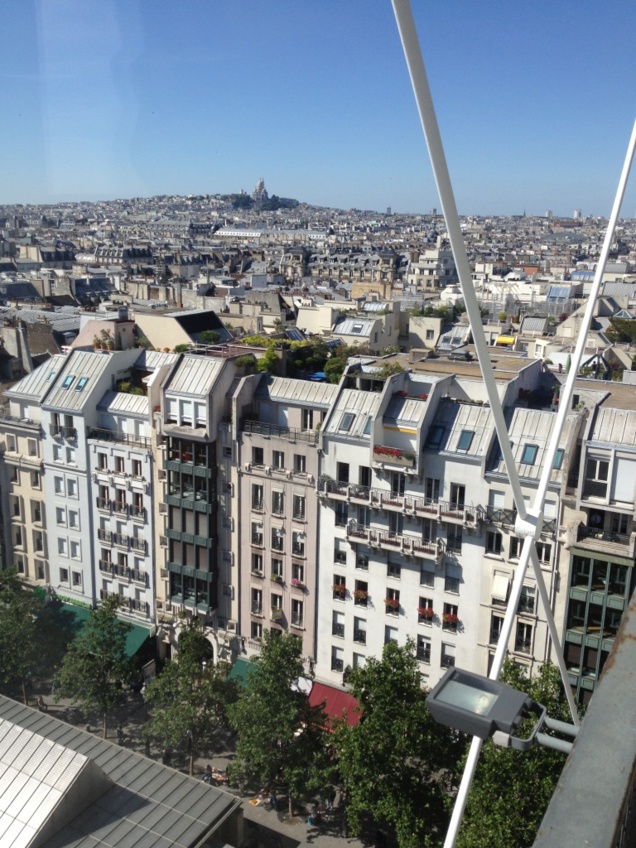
298, 584
361, 596
392, 603
339, 590
426, 613
277, 578
394, 456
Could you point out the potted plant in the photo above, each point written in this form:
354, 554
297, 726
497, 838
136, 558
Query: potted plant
339, 589
361, 595
450, 619
426, 613
277, 578
392, 603
298, 584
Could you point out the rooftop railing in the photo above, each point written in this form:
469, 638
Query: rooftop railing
290, 434
106, 435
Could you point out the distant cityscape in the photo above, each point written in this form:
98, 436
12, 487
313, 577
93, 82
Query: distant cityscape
269, 415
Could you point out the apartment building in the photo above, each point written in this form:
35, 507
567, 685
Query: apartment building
277, 434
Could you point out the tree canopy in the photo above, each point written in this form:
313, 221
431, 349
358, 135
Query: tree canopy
20, 631
511, 789
96, 669
282, 738
189, 699
397, 763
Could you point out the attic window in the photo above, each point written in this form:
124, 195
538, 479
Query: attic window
357, 328
558, 459
51, 376
346, 421
529, 454
82, 382
435, 436
68, 381
465, 440
367, 426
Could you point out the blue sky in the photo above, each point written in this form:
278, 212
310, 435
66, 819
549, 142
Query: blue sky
122, 98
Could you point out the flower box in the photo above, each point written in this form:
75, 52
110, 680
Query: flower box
426, 612
392, 603
451, 619
339, 588
277, 578
297, 583
394, 456
361, 594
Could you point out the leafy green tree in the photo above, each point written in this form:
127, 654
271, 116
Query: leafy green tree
511, 789
209, 337
20, 632
189, 699
96, 669
269, 362
397, 763
281, 737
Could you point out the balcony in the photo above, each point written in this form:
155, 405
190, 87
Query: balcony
120, 507
104, 504
106, 566
290, 434
103, 434
137, 512
393, 456
406, 545
604, 542
59, 432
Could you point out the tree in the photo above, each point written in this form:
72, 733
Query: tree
20, 632
210, 337
397, 762
96, 668
281, 737
189, 699
511, 789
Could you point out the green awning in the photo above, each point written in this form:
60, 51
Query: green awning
240, 671
134, 639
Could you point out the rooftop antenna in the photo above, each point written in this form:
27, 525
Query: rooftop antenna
529, 521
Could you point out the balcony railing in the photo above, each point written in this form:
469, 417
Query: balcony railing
424, 655
257, 609
337, 665
104, 434
290, 434
360, 636
63, 432
337, 630
297, 621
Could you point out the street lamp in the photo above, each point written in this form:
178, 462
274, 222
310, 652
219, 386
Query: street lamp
489, 709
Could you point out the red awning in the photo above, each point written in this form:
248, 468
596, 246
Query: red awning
335, 703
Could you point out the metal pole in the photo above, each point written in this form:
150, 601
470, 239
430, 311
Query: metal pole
556, 744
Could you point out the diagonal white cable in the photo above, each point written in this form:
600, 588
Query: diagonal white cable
531, 527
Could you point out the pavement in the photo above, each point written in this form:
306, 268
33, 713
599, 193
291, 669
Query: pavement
264, 827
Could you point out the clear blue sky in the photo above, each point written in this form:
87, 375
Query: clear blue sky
121, 98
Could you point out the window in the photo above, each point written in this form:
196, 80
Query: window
346, 421
58, 485
300, 463
392, 602
35, 480
558, 459
73, 519
425, 612
75, 550
342, 472
277, 601
57, 453
448, 655
70, 456
81, 383
529, 454
430, 335
390, 634
527, 599
435, 435
367, 427
451, 584
257, 602
32, 447
423, 649
36, 511
62, 547
257, 456
14, 474
393, 569
544, 552
457, 495
278, 459
64, 575
298, 510
496, 625
429, 530
515, 547
337, 623
11, 442
360, 631
342, 513
277, 538
102, 461
619, 523
68, 381
257, 564
298, 572
119, 465
257, 497
450, 617
257, 534
465, 440
297, 613
427, 577
278, 503
340, 552
362, 562
361, 593
256, 630
523, 638
596, 474
337, 659
137, 468
454, 538
60, 516
298, 544
359, 660
493, 542
339, 587
308, 419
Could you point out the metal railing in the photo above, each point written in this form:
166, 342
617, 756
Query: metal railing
290, 434
105, 435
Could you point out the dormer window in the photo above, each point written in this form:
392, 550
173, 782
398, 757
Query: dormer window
465, 440
68, 381
529, 454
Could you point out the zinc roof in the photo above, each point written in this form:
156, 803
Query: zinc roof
298, 392
614, 427
456, 418
150, 360
36, 384
353, 327
405, 411
362, 404
80, 363
194, 376
148, 804
124, 402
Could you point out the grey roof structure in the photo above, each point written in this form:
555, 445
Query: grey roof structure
457, 418
150, 360
81, 363
297, 392
37, 383
362, 405
124, 402
614, 427
194, 376
132, 802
